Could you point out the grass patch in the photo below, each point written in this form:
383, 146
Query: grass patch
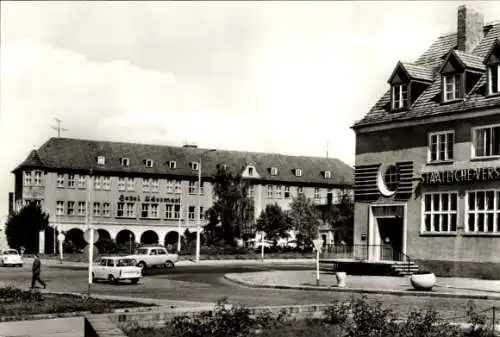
16, 302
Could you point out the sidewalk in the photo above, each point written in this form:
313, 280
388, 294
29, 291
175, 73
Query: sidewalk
306, 280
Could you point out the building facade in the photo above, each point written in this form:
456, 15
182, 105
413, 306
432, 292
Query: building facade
149, 193
427, 167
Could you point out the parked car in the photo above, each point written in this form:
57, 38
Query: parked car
154, 257
115, 269
10, 257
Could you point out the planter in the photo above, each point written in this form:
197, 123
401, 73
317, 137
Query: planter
423, 281
341, 278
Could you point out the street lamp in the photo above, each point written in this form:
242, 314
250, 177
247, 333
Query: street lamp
198, 211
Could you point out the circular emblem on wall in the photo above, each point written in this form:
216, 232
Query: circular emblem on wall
387, 180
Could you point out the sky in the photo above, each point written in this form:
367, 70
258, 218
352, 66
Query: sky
287, 77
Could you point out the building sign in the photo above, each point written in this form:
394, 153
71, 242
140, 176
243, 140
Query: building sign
148, 198
461, 176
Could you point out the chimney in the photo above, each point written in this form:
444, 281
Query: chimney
470, 28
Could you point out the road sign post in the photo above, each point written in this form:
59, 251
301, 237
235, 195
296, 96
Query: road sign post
317, 246
60, 239
91, 236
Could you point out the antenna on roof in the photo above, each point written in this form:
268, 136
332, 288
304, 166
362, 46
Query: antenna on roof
327, 148
58, 127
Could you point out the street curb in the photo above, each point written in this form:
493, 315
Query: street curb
415, 293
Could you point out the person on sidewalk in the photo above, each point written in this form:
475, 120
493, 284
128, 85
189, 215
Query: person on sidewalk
36, 270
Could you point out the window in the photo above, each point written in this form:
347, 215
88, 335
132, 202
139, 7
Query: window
149, 163
274, 171
155, 185
120, 209
191, 214
192, 187
170, 186
37, 178
149, 211
202, 188
451, 87
250, 191
71, 208
287, 192
96, 209
399, 96
328, 174
269, 191
169, 211
486, 141
441, 146
97, 183
71, 180
146, 185
178, 187
81, 181
177, 211
317, 194
298, 172
106, 209
194, 166
121, 184
201, 213
250, 171
493, 79
59, 207
172, 164
388, 180
300, 190
279, 192
440, 212
130, 184
27, 178
125, 209
106, 183
101, 160
81, 208
60, 180
125, 161
482, 212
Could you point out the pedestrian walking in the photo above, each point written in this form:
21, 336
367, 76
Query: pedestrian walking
36, 270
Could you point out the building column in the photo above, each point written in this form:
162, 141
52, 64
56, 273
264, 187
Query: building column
41, 242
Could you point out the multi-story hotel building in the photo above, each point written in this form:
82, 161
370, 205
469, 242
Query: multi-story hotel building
427, 167
145, 193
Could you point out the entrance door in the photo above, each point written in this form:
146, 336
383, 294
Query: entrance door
391, 238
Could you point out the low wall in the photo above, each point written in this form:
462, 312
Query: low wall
480, 270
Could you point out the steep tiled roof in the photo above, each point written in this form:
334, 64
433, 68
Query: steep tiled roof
33, 160
418, 72
471, 61
428, 104
79, 154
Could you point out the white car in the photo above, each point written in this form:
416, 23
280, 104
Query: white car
115, 269
154, 257
10, 257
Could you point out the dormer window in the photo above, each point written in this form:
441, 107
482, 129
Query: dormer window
194, 166
399, 96
298, 172
493, 79
101, 160
274, 171
451, 87
149, 162
327, 174
125, 161
172, 164
250, 171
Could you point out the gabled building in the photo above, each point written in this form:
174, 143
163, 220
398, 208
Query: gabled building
427, 169
149, 193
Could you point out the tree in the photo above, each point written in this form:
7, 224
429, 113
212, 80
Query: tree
304, 218
274, 222
24, 226
340, 216
232, 210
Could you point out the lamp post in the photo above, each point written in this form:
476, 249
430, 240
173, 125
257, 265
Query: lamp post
198, 206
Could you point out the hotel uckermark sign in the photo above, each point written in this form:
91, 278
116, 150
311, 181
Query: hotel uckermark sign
460, 176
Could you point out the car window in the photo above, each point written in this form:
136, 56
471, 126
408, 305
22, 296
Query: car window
162, 252
10, 252
141, 251
153, 252
126, 262
102, 262
111, 263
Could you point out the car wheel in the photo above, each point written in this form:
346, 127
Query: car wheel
169, 265
134, 280
111, 279
142, 265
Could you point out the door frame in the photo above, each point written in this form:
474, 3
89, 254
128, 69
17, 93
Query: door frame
373, 235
